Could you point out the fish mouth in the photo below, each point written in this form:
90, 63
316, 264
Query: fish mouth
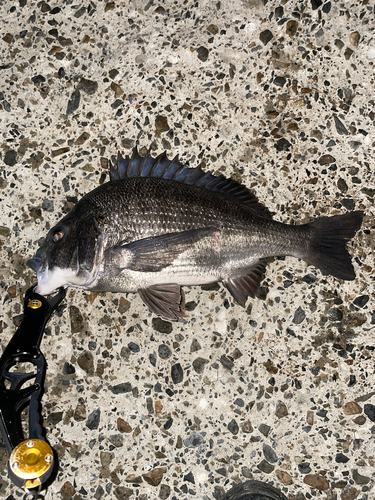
40, 268
35, 263
52, 278
48, 280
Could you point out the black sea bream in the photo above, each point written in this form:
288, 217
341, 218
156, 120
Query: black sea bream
158, 225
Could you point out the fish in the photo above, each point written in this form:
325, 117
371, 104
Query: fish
158, 225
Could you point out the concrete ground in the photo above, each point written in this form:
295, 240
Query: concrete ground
278, 95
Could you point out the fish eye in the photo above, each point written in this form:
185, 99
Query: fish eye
57, 235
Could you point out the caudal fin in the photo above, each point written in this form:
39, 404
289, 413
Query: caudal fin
327, 250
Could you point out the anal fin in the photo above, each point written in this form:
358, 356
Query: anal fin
242, 287
167, 301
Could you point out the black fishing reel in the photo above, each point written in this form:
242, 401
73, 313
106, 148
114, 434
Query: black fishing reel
22, 373
254, 490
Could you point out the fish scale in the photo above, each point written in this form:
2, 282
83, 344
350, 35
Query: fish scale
158, 225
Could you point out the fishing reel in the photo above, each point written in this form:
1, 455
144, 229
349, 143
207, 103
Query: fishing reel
22, 372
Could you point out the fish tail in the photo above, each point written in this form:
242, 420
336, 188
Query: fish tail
327, 249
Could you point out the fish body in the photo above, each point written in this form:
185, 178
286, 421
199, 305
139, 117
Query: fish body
158, 225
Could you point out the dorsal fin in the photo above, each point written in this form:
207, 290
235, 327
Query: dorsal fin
162, 167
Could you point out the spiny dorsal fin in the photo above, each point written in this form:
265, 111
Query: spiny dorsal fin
162, 167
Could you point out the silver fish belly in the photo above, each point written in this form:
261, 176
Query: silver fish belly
158, 225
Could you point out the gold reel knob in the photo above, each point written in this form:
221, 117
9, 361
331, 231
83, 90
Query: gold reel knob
35, 303
30, 460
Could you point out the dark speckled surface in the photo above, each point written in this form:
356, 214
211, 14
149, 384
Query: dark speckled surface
278, 96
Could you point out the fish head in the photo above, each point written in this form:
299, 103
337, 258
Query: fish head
70, 255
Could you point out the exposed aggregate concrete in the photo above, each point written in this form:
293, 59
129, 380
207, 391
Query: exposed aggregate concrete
277, 94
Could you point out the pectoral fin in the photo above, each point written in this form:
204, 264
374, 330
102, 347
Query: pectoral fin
167, 301
156, 253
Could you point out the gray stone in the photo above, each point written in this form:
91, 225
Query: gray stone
76, 319
86, 362
161, 326
369, 410
93, 419
199, 364
73, 103
55, 417
177, 373
164, 351
264, 429
117, 440
233, 427
195, 345
193, 440
10, 158
48, 205
281, 410
123, 493
122, 388
202, 53
299, 316
165, 491
265, 36
226, 362
269, 454
88, 86
340, 127
266, 467
358, 478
